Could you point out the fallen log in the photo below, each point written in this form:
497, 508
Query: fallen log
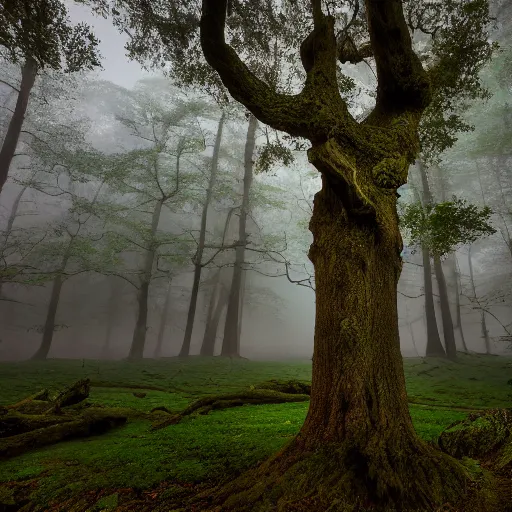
14, 423
72, 395
215, 402
91, 422
42, 396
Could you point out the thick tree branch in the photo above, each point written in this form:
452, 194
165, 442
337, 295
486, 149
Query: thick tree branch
403, 84
295, 115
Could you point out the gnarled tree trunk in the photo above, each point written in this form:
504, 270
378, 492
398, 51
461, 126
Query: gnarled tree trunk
28, 77
358, 448
358, 442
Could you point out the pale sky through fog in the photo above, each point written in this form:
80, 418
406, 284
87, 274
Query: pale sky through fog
117, 67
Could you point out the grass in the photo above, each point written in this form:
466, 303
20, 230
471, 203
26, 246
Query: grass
209, 448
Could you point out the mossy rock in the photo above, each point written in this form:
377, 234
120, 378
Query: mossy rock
480, 435
292, 387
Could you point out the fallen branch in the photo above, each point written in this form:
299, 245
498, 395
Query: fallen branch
90, 423
250, 397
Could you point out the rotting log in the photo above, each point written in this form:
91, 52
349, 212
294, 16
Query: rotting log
38, 420
91, 422
14, 423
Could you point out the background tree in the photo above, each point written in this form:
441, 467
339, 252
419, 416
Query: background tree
39, 36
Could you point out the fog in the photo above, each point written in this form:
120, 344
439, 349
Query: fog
278, 311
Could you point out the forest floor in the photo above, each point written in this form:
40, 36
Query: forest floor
135, 468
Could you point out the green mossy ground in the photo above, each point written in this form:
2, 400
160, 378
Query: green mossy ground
136, 468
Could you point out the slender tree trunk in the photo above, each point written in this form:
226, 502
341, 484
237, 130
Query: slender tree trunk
163, 323
446, 317
51, 314
231, 342
483, 323
241, 314
111, 313
216, 285
454, 274
506, 232
458, 287
185, 348
210, 335
434, 346
139, 333
10, 221
28, 76
211, 308
449, 337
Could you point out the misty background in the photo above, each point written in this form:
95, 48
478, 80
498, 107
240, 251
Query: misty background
98, 305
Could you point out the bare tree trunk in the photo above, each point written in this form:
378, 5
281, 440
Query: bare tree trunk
449, 337
458, 324
483, 324
10, 221
49, 326
241, 315
28, 76
206, 346
139, 333
506, 232
434, 346
163, 323
185, 348
210, 335
211, 308
111, 314
443, 294
231, 342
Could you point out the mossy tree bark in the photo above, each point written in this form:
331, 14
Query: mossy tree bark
28, 77
185, 347
231, 340
358, 446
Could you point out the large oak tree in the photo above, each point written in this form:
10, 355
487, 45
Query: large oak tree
357, 449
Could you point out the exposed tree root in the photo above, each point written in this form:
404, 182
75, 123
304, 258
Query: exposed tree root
209, 403
344, 478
